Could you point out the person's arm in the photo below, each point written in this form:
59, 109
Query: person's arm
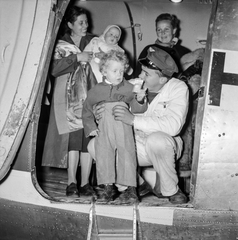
89, 123
64, 65
70, 63
169, 118
138, 106
139, 103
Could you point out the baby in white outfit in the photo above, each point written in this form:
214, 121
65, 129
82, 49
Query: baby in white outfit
103, 44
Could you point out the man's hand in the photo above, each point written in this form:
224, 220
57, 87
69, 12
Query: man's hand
98, 111
122, 113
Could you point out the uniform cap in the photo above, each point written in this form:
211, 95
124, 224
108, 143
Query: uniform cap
158, 59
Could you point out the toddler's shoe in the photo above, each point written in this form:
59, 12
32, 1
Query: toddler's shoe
87, 190
72, 190
107, 194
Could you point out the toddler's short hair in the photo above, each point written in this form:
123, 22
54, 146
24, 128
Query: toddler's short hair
116, 56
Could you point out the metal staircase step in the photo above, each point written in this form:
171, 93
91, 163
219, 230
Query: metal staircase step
116, 236
98, 232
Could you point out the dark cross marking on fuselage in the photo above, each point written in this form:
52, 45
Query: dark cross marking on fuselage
218, 77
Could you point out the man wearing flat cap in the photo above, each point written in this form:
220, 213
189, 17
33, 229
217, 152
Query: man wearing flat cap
157, 130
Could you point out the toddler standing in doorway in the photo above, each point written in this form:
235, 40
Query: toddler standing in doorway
115, 152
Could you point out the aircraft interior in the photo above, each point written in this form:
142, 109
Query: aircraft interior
138, 30
33, 196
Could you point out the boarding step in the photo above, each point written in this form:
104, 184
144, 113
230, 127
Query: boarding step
99, 229
115, 235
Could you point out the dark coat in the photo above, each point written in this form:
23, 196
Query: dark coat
57, 145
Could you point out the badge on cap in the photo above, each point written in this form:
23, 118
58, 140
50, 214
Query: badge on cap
159, 59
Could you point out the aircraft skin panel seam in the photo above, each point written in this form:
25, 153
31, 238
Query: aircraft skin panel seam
132, 32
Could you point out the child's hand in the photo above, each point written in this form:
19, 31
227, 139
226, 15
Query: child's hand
139, 89
140, 95
138, 84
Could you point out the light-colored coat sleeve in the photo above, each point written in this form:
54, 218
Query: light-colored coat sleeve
167, 112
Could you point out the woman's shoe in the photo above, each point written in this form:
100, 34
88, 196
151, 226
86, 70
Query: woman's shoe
72, 190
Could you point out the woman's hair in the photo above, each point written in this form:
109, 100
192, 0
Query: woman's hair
166, 16
115, 56
71, 16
